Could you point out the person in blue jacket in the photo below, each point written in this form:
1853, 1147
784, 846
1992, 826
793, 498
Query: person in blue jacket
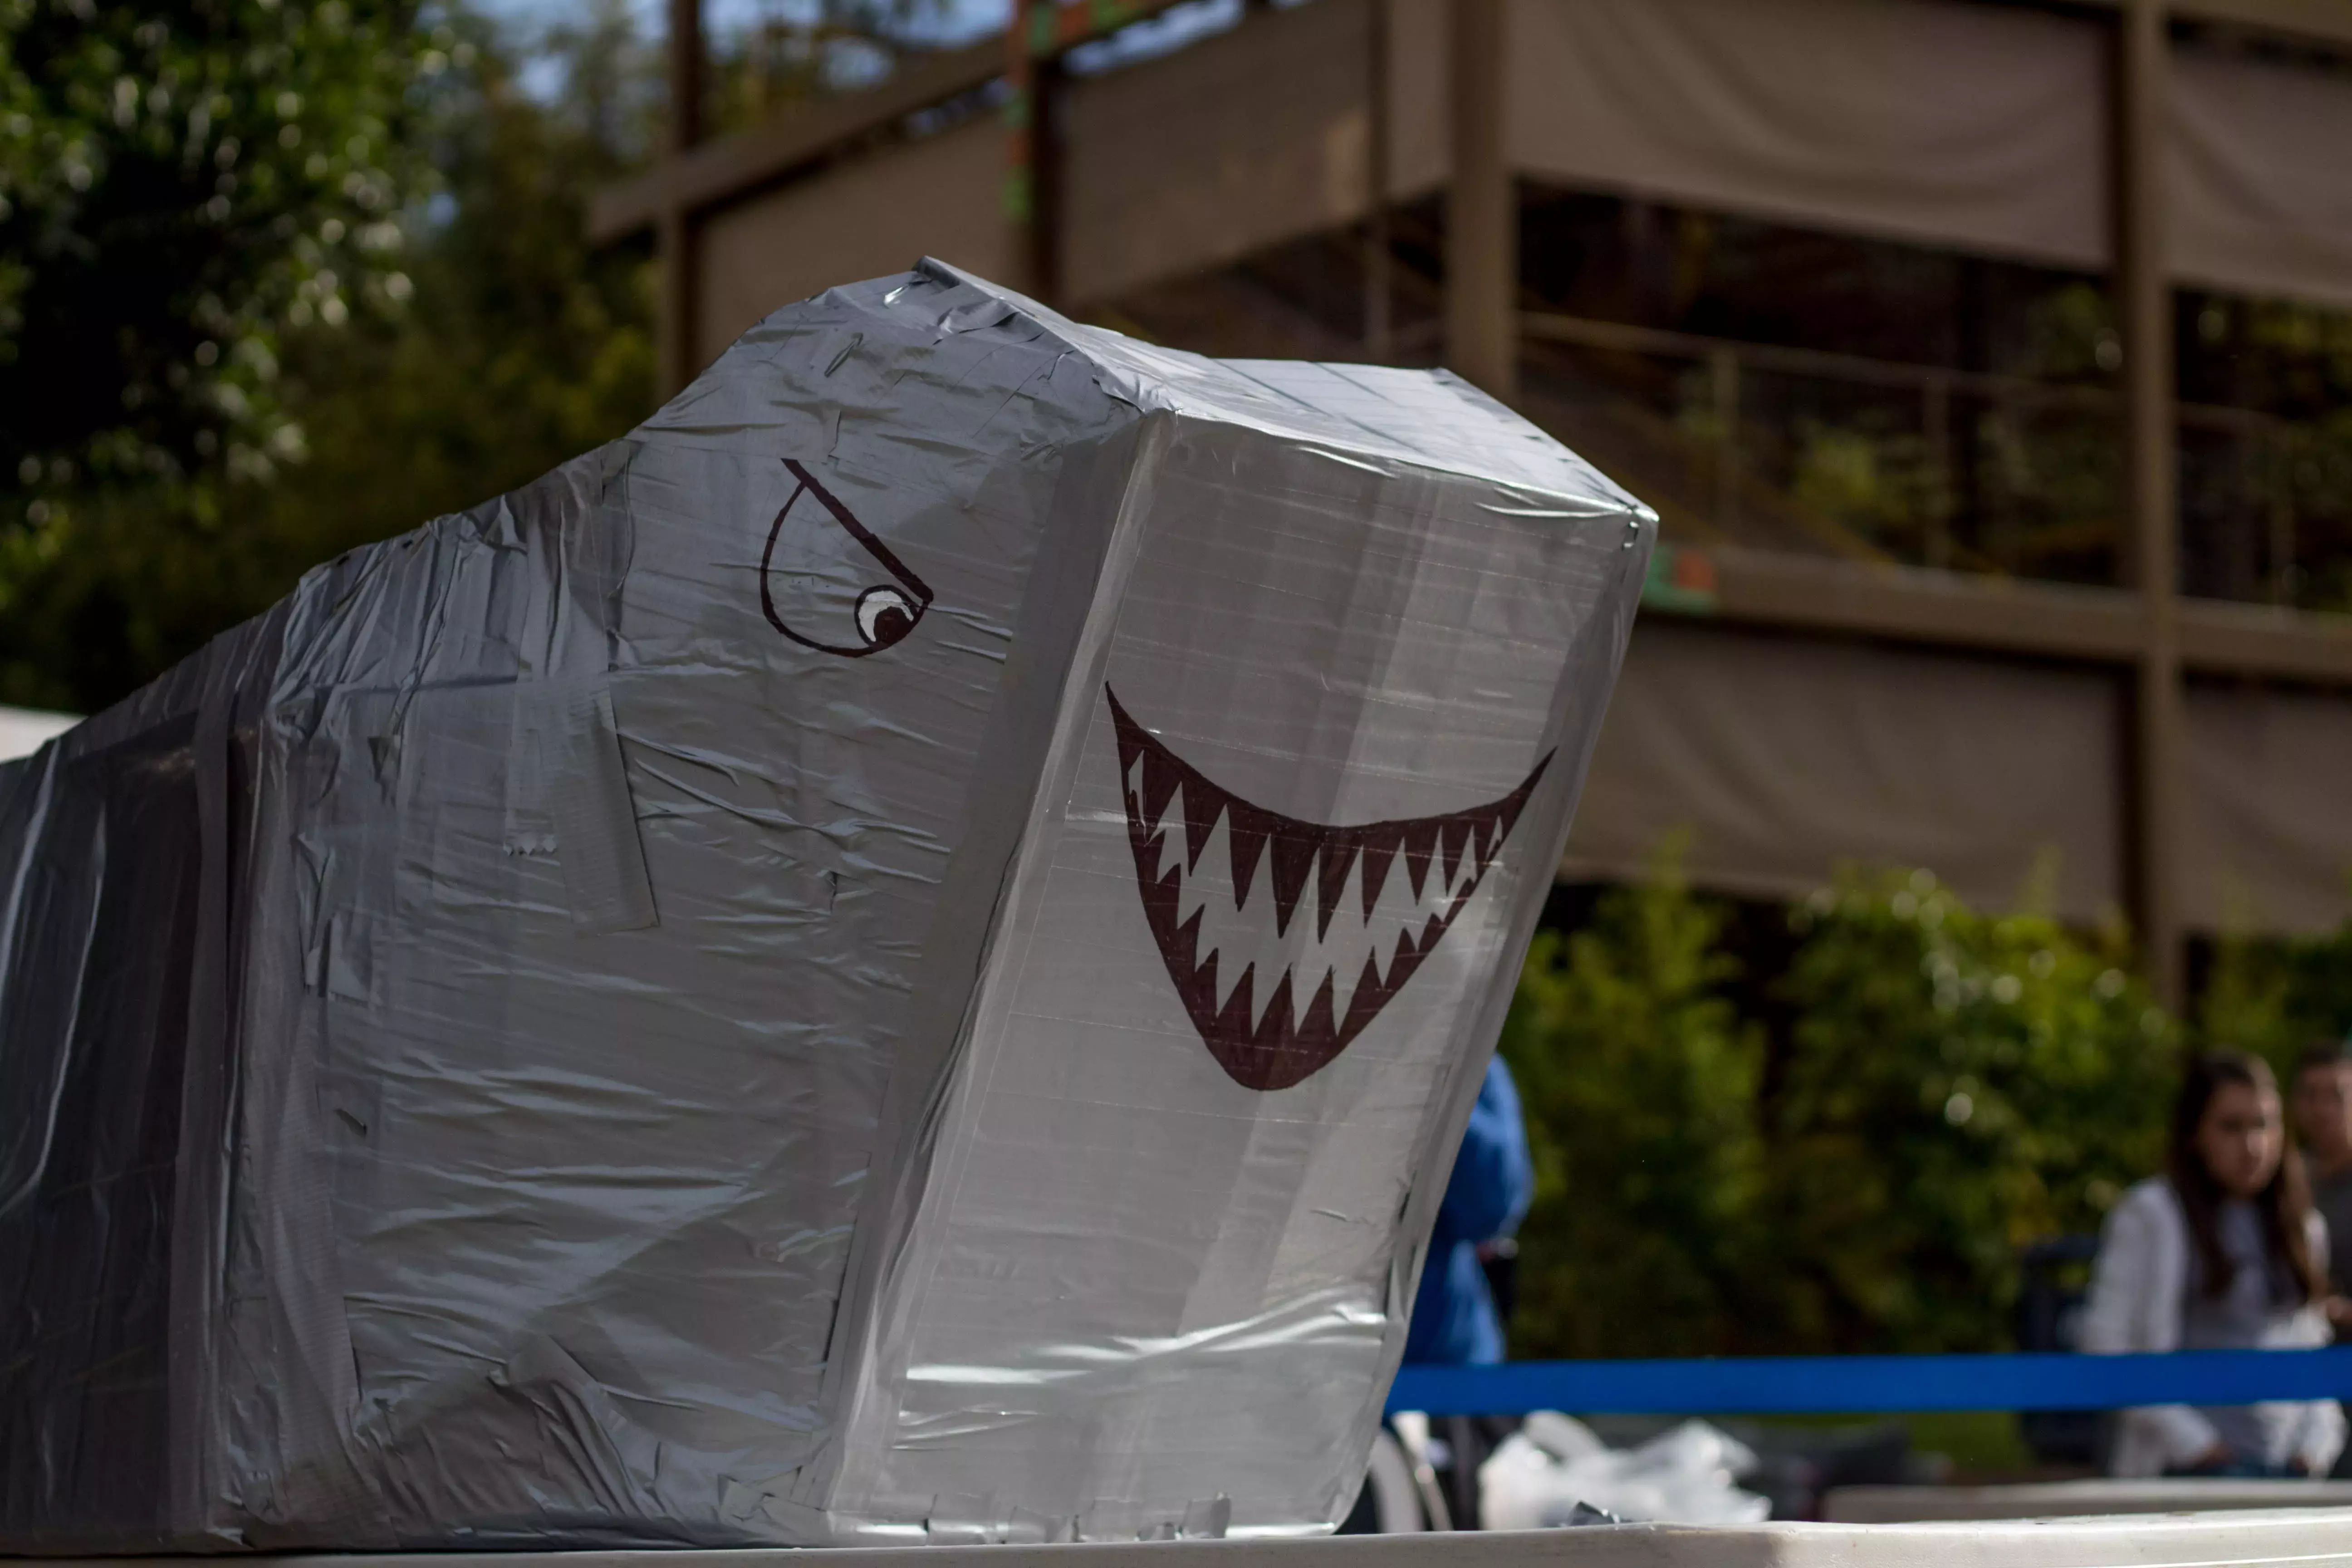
1453, 1319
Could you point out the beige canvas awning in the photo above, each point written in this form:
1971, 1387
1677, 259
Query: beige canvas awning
1976, 127
2269, 842
2262, 177
1781, 758
1972, 127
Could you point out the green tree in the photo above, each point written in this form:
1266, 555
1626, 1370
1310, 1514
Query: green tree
1935, 1089
1957, 1085
344, 286
2275, 995
1639, 1083
523, 346
501, 347
181, 183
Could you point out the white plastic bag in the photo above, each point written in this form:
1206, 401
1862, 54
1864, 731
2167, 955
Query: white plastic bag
1539, 1474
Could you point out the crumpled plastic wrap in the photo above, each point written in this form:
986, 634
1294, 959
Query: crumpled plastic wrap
898, 955
1555, 1472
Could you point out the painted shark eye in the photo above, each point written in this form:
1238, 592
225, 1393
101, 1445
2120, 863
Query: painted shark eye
818, 576
884, 615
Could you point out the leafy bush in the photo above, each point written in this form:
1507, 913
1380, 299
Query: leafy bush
470, 342
1943, 1088
1639, 1082
2274, 996
278, 278
1956, 1086
180, 186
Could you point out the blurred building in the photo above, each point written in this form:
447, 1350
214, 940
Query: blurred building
1990, 365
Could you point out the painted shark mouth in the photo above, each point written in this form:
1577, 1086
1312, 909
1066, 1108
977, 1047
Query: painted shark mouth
1286, 938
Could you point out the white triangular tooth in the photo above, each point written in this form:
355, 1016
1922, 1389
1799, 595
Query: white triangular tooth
1172, 847
1261, 872
1208, 887
1496, 829
1399, 910
1242, 940
1466, 867
1344, 946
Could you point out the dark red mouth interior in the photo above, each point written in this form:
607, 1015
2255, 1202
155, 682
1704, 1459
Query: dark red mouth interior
1222, 881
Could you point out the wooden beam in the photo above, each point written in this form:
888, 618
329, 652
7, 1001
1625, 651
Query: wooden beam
1379, 341
1864, 370
2004, 617
678, 305
2308, 21
1920, 605
1481, 205
677, 312
731, 166
686, 62
720, 170
1022, 136
1048, 181
1032, 144
2144, 310
2263, 643
2322, 22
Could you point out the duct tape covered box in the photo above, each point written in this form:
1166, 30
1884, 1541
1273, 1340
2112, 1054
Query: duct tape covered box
900, 955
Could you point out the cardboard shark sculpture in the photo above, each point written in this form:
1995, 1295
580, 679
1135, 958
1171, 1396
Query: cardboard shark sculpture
899, 954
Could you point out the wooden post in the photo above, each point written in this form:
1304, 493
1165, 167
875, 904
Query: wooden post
685, 74
1042, 254
1032, 163
677, 359
1019, 200
2144, 309
2278, 489
1936, 431
1723, 387
1481, 208
1380, 338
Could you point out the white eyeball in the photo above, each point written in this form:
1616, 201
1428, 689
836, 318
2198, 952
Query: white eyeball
884, 615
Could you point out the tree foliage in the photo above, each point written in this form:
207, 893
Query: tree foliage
522, 346
1639, 1081
2274, 996
279, 277
1957, 1085
1938, 1088
412, 328
183, 184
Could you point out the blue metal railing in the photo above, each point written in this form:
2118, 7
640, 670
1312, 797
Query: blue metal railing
1856, 1384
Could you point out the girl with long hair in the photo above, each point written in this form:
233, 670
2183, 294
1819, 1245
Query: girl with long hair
2222, 1252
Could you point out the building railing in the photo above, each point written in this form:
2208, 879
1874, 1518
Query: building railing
1729, 364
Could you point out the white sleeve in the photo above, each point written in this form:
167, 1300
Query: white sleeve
2126, 1313
2117, 1319
2182, 1434
2323, 1436
2322, 1439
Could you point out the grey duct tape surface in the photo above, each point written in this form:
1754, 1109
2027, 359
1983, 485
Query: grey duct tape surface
898, 956
595, 818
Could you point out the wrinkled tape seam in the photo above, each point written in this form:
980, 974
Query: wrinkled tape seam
596, 819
